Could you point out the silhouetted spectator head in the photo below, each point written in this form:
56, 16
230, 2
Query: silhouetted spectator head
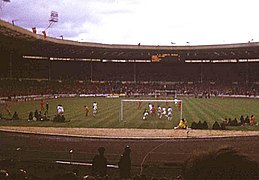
99, 165
127, 149
222, 126
242, 119
216, 126
234, 122
205, 125
194, 125
224, 163
229, 122
199, 125
101, 150
125, 164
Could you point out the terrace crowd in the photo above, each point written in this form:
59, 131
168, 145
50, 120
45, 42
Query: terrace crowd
222, 163
12, 88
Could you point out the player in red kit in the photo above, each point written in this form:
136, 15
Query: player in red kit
42, 105
139, 104
179, 105
153, 110
86, 110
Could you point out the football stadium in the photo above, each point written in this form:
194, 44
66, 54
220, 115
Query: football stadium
63, 101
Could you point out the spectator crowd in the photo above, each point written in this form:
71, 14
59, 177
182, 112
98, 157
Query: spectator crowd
221, 163
12, 88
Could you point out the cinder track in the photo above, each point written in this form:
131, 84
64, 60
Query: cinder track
171, 148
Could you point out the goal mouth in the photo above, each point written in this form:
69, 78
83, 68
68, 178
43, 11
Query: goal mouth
166, 93
138, 108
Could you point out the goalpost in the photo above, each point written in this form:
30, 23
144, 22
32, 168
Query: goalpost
121, 116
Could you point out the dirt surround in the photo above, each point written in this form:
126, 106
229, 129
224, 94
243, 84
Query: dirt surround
129, 133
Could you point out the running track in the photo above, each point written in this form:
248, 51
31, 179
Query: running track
164, 150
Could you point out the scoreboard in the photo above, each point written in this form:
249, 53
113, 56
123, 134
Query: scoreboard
165, 57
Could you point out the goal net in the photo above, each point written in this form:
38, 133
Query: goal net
134, 109
166, 93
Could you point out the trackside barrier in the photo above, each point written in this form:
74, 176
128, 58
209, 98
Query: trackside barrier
55, 96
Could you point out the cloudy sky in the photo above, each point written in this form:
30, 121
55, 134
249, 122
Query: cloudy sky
149, 22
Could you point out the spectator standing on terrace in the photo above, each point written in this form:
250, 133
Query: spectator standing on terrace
125, 164
99, 165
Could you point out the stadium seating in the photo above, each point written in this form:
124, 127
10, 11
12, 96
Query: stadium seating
35, 87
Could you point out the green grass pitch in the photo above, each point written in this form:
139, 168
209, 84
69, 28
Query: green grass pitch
194, 109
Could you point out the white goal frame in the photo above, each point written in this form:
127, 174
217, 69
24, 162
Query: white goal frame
148, 100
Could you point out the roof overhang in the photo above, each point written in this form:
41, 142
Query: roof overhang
29, 43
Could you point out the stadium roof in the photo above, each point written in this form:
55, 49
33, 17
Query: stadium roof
30, 44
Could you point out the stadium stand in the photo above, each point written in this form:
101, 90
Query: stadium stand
12, 88
33, 66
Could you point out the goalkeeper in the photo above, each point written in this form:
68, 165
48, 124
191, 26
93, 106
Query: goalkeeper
182, 124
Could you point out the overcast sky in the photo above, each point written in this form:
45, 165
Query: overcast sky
149, 22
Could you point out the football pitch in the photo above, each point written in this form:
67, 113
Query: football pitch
108, 115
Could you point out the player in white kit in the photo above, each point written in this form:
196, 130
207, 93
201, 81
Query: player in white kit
163, 112
94, 108
159, 111
145, 114
169, 113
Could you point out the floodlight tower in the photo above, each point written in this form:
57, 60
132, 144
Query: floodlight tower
53, 19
